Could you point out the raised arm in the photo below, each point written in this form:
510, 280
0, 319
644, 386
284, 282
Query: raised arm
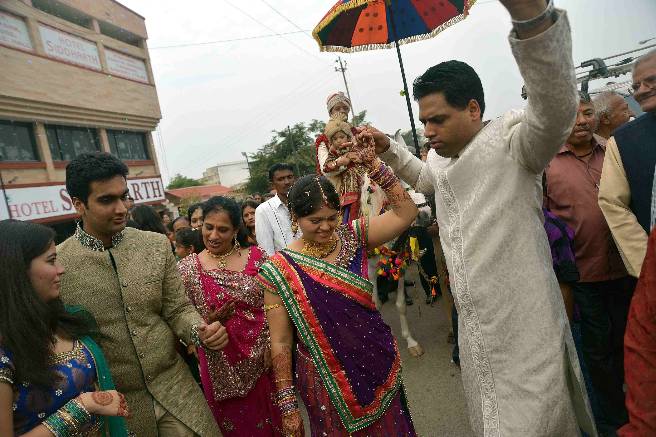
403, 212
614, 200
406, 166
544, 57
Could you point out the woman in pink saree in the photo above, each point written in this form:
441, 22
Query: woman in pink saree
220, 282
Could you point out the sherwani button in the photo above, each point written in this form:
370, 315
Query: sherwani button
134, 332
142, 355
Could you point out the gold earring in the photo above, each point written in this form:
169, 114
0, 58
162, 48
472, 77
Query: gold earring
236, 243
294, 225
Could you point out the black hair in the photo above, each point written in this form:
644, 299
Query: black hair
132, 224
230, 207
246, 204
190, 237
306, 196
28, 324
278, 167
456, 80
91, 167
182, 217
148, 219
192, 208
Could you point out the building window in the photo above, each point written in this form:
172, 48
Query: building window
63, 11
67, 142
128, 145
17, 142
120, 34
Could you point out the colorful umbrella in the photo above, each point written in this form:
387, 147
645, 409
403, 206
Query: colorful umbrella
356, 25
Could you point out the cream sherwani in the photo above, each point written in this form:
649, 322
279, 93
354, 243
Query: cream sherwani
519, 366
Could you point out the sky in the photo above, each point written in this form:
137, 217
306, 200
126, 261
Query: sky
219, 99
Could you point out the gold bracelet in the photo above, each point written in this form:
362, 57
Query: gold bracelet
271, 307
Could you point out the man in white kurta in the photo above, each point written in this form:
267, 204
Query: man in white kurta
519, 366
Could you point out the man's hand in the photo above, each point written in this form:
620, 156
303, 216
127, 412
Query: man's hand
523, 10
214, 336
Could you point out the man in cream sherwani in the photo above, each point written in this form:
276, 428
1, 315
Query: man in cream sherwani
519, 365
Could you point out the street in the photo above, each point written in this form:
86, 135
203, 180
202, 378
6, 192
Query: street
432, 382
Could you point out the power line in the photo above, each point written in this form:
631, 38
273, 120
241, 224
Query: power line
221, 41
270, 29
285, 17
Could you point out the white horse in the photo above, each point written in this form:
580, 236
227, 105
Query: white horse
414, 348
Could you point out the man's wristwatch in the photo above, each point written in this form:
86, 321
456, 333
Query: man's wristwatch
549, 13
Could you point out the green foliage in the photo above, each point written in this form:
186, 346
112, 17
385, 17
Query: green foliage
360, 118
293, 145
179, 181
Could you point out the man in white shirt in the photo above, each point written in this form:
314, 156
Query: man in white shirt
273, 225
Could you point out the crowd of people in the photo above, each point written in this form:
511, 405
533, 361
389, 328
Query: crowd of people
215, 322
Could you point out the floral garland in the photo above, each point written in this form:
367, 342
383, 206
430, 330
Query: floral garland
392, 264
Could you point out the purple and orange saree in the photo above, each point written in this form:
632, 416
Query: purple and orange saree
345, 341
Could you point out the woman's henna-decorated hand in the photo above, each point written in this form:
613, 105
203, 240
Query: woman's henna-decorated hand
223, 314
292, 424
105, 403
282, 367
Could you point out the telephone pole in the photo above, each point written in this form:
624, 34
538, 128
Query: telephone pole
342, 69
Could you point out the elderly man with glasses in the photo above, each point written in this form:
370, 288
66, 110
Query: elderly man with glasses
627, 186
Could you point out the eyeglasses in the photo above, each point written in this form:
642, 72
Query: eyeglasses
649, 82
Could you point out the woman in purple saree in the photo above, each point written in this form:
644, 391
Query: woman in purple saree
347, 364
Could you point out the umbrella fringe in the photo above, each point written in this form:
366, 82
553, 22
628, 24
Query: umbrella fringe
402, 41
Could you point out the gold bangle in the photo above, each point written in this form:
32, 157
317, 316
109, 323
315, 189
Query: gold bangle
271, 307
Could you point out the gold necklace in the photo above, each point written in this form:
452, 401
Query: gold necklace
319, 250
222, 260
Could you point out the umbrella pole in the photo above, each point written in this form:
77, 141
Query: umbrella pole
405, 83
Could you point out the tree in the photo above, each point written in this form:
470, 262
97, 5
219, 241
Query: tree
179, 181
293, 145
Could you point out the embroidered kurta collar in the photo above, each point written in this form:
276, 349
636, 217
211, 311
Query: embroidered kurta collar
92, 242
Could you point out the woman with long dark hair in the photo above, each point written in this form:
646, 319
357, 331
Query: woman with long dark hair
248, 216
348, 367
220, 282
53, 376
148, 219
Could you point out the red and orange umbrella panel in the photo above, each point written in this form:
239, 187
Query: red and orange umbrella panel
353, 25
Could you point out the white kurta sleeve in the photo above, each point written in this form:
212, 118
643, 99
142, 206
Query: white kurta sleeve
545, 63
409, 168
264, 231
